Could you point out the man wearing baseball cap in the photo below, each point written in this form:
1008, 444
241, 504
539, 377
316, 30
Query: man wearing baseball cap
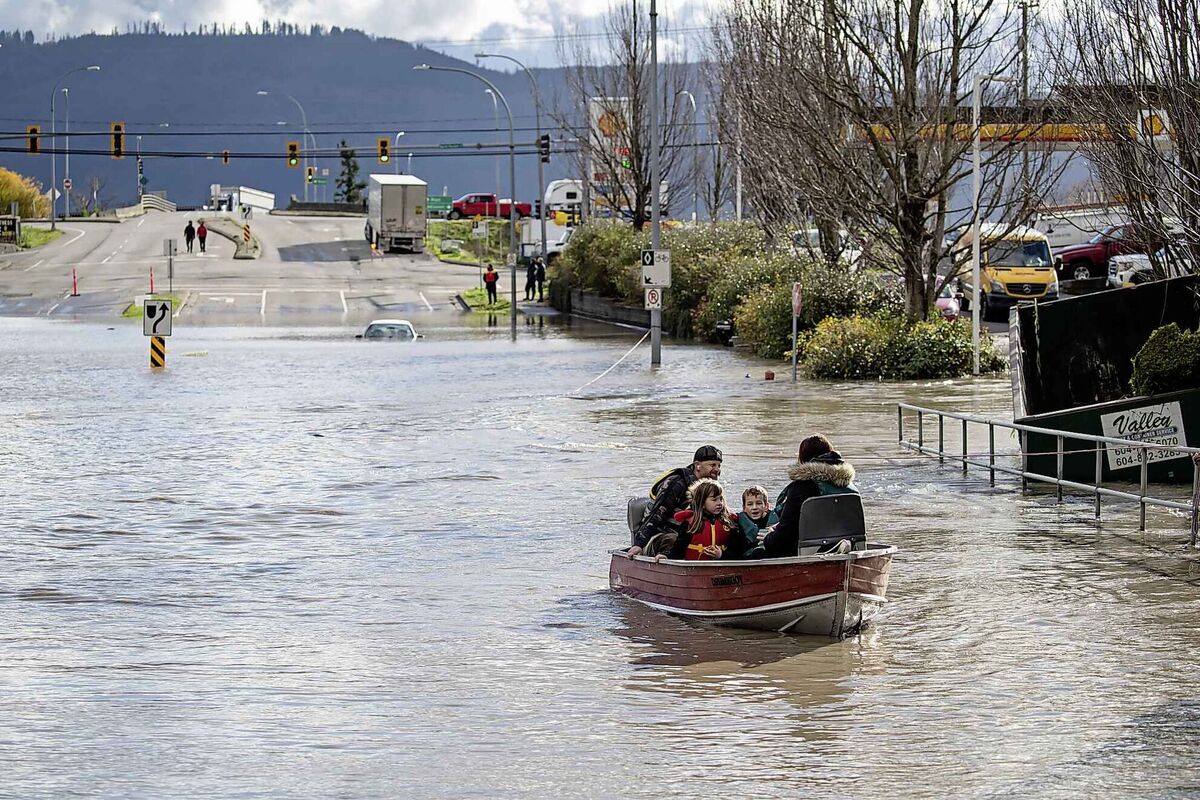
669, 494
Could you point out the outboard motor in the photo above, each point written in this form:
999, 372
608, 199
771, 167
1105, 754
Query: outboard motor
636, 511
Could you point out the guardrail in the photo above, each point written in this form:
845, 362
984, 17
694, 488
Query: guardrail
152, 202
1098, 446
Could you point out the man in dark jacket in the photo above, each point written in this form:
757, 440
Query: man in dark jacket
540, 277
670, 494
530, 278
819, 469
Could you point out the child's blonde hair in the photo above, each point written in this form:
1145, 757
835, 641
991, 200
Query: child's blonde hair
699, 493
754, 491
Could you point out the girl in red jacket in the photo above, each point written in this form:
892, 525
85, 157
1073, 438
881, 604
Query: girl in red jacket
710, 528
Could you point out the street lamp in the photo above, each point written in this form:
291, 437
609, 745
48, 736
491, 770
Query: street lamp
496, 117
537, 112
54, 142
976, 92
396, 146
512, 184
695, 156
307, 135
409, 168
67, 135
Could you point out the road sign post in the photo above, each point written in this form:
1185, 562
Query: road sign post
169, 252
796, 306
156, 323
656, 273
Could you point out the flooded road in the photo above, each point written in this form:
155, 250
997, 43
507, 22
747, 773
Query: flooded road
297, 565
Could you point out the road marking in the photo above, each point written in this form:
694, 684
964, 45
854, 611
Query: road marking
140, 221
106, 260
39, 261
51, 311
345, 308
423, 300
78, 233
262, 309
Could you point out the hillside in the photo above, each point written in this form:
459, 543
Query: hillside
192, 93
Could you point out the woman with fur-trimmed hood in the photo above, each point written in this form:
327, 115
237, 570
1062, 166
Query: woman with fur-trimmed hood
819, 469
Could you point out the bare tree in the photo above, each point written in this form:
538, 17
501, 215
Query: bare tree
611, 94
717, 177
855, 114
1130, 67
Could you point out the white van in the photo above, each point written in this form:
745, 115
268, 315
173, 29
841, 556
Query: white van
563, 195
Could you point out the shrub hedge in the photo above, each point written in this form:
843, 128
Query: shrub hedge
1168, 362
890, 346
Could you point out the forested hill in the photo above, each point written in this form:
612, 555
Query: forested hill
198, 93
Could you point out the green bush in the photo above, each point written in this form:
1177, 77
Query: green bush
763, 320
886, 346
602, 257
1168, 362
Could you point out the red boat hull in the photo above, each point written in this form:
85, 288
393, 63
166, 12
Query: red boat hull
826, 595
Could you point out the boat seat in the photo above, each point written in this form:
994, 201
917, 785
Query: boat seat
637, 509
829, 518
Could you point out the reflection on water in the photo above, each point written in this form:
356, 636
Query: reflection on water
303, 566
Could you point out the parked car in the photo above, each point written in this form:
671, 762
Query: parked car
486, 205
1091, 259
949, 303
400, 329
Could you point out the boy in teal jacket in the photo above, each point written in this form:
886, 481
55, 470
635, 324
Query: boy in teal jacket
756, 518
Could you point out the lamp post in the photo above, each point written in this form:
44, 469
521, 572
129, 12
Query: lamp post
537, 115
307, 135
976, 102
394, 147
512, 184
496, 117
409, 167
695, 157
54, 142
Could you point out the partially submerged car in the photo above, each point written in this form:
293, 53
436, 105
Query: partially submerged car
400, 329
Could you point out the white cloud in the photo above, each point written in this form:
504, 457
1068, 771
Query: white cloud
522, 27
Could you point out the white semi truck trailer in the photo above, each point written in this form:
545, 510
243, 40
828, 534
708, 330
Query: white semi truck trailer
396, 210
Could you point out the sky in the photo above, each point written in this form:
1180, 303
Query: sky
525, 28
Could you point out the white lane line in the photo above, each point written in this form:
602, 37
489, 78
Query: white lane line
51, 311
78, 233
107, 259
345, 308
140, 221
423, 300
31, 266
262, 308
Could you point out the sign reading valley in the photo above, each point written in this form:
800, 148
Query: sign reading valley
1161, 424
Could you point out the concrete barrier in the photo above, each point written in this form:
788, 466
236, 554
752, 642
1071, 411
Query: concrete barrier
232, 230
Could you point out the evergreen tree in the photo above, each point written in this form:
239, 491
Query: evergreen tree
349, 187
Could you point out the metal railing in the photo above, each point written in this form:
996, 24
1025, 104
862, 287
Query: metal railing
1098, 443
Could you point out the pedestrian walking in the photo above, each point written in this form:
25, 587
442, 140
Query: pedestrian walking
541, 278
489, 280
530, 278
202, 235
189, 235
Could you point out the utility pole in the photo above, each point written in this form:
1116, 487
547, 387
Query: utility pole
655, 233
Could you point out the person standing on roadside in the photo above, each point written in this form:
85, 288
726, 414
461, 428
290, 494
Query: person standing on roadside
541, 277
489, 280
202, 235
530, 278
189, 235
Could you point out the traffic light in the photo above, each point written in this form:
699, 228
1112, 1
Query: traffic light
118, 139
544, 147
293, 154
309, 174
35, 142
384, 156
224, 156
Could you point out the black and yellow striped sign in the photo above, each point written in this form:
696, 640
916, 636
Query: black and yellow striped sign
158, 351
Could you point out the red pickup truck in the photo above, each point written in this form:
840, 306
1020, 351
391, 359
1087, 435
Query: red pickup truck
485, 205
1090, 259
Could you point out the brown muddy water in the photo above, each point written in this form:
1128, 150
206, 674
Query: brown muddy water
296, 565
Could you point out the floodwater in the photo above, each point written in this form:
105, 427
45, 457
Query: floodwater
296, 565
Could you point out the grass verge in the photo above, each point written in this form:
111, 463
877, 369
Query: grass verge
477, 299
36, 237
134, 310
